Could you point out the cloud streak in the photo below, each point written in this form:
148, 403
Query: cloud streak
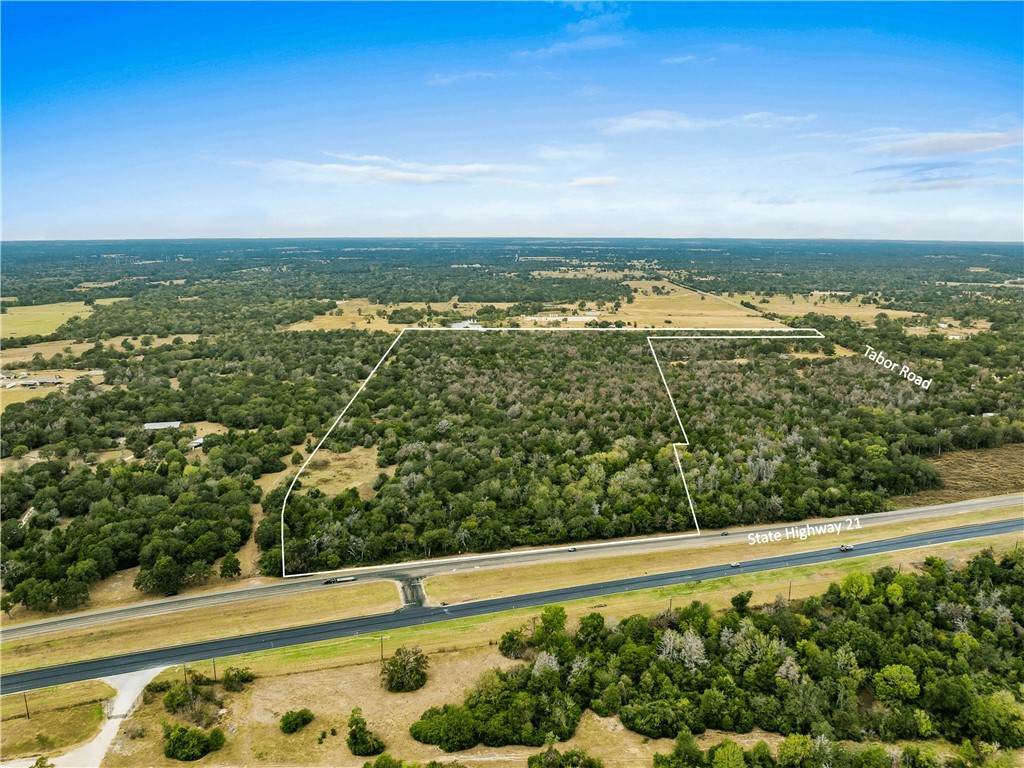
380, 169
438, 79
579, 45
950, 143
668, 120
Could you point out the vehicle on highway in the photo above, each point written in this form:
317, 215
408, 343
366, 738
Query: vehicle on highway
338, 579
845, 547
734, 565
724, 533
572, 549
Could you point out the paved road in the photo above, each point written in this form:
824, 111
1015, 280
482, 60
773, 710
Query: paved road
411, 616
405, 572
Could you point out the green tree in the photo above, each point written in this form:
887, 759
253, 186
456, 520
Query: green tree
729, 754
857, 587
292, 721
897, 682
405, 671
230, 567
362, 742
165, 577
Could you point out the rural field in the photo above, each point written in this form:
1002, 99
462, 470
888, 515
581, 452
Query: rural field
59, 718
42, 319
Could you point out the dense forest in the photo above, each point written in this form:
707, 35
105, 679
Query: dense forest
884, 656
493, 439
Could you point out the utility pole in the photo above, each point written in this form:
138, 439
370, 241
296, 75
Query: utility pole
382, 647
25, 697
215, 670
790, 591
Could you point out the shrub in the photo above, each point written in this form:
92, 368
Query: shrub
513, 644
292, 721
183, 743
198, 705
235, 678
362, 742
552, 758
405, 671
451, 728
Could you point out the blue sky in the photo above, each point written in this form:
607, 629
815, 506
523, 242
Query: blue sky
876, 120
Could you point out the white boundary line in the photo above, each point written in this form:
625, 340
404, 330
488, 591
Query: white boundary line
723, 333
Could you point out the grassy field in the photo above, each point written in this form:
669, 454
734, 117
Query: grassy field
334, 472
244, 617
970, 474
42, 318
50, 348
822, 302
681, 307
60, 717
334, 676
477, 584
361, 314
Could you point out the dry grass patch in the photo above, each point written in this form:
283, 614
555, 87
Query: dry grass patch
61, 717
181, 627
682, 307
333, 472
485, 582
21, 393
361, 314
822, 302
50, 348
970, 474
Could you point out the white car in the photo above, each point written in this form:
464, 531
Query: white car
734, 565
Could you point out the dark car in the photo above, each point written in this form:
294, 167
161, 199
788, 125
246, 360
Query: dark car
724, 533
329, 581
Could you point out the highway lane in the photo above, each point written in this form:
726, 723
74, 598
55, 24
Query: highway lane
411, 616
423, 569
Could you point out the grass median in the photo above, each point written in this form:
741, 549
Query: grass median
229, 620
486, 582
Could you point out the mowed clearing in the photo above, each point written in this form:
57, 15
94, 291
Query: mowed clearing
229, 620
333, 472
41, 319
21, 393
59, 718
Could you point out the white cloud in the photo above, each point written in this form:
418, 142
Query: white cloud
679, 59
949, 143
578, 153
579, 45
380, 169
455, 77
668, 120
594, 181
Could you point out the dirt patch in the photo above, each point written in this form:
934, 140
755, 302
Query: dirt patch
333, 472
970, 474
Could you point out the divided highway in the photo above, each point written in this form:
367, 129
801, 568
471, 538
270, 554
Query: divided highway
414, 615
423, 569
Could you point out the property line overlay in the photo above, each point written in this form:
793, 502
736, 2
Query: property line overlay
699, 334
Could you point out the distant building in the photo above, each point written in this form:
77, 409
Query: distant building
467, 325
196, 443
161, 425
